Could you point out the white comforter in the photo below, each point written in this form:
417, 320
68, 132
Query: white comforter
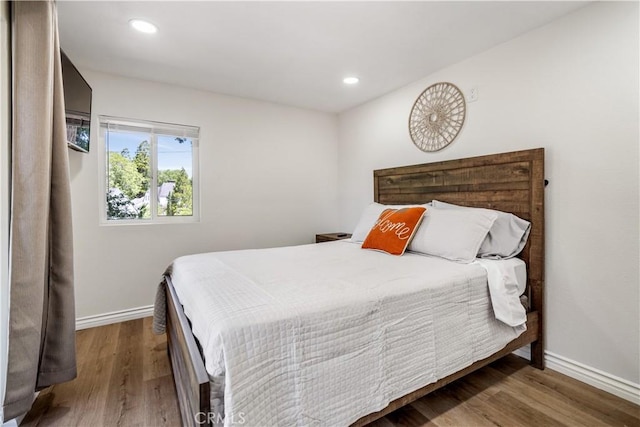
324, 334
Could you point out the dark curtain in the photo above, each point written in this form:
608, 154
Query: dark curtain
42, 312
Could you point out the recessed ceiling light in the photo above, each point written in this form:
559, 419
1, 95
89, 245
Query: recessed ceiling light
143, 26
350, 80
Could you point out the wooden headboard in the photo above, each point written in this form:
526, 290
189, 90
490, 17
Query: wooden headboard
510, 182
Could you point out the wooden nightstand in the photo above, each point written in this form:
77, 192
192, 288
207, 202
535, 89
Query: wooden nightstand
330, 237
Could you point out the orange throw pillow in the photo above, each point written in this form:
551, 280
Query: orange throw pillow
394, 229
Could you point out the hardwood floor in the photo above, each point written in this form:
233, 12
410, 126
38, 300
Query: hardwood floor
124, 379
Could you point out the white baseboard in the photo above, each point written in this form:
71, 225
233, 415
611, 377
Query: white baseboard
113, 317
595, 377
592, 376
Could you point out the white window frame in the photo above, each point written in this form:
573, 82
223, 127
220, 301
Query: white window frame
153, 129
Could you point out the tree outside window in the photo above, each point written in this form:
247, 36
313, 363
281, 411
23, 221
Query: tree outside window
150, 171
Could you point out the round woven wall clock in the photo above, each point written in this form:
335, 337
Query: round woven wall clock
437, 116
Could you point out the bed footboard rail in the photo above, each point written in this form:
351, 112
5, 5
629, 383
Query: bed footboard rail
189, 374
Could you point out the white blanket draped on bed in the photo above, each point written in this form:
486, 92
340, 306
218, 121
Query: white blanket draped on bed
324, 334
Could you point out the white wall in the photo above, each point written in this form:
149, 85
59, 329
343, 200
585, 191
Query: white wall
268, 177
571, 87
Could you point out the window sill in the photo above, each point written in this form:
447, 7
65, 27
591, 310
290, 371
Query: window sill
157, 221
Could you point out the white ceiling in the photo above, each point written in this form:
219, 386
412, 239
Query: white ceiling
293, 53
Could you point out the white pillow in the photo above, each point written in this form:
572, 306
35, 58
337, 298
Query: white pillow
454, 234
507, 281
507, 236
370, 215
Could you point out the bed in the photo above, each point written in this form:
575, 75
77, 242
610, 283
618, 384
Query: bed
509, 182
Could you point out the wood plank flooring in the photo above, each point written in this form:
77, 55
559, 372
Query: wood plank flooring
124, 379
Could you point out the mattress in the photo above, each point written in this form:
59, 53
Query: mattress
324, 334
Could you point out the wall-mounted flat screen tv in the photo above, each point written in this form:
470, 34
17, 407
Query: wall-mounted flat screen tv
77, 100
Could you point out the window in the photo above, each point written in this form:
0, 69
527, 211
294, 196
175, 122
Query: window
150, 171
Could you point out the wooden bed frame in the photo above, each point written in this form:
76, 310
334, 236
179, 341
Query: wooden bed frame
510, 182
